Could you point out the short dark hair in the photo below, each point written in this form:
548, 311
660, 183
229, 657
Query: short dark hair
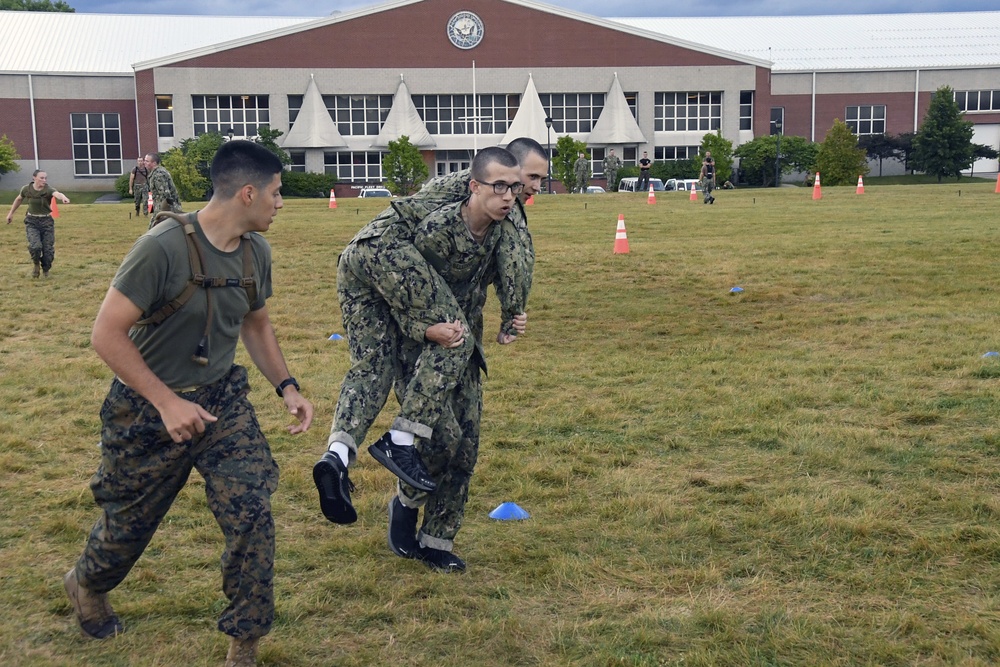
155, 157
522, 147
488, 156
238, 163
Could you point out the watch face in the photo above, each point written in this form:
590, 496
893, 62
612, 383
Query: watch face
465, 30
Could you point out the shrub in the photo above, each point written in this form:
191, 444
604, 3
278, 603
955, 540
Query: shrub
306, 184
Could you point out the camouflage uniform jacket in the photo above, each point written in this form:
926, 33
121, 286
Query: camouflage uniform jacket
165, 197
515, 253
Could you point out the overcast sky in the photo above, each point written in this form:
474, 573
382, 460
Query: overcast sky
610, 8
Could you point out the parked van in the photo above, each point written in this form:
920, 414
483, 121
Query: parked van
683, 184
628, 184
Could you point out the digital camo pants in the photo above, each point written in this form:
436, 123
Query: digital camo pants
450, 456
141, 472
386, 288
41, 233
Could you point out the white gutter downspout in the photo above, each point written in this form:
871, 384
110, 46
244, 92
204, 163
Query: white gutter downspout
916, 101
34, 127
135, 96
812, 121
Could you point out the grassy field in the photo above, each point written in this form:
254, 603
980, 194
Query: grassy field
804, 473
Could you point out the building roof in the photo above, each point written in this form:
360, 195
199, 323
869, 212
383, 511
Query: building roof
71, 43
846, 43
78, 43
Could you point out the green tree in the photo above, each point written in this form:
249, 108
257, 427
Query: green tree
878, 147
403, 167
902, 145
567, 151
191, 185
722, 153
840, 160
35, 6
757, 157
8, 156
982, 152
268, 138
200, 150
943, 144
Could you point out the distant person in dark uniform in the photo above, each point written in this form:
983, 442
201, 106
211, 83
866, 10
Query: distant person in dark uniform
643, 183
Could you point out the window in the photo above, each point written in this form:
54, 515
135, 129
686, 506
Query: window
687, 112
164, 115
298, 161
447, 162
242, 114
573, 112
746, 109
354, 166
777, 120
664, 153
978, 100
866, 120
453, 114
97, 144
355, 115
630, 156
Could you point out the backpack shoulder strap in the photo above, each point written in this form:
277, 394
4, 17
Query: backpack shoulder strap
197, 274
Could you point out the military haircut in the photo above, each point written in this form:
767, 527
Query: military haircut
488, 156
238, 163
522, 147
155, 157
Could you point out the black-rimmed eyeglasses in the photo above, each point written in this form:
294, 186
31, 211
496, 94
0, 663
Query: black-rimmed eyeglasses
501, 188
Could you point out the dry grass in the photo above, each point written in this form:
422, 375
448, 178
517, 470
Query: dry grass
804, 474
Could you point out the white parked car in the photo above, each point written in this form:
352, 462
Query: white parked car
628, 184
374, 192
684, 184
595, 190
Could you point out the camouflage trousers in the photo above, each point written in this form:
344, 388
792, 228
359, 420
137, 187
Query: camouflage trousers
450, 456
141, 195
389, 294
41, 233
141, 472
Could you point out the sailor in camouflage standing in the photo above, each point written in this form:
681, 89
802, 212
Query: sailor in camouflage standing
161, 185
169, 411
39, 226
611, 163
581, 169
137, 185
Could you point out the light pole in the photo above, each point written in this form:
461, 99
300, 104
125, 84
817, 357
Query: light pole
548, 148
777, 153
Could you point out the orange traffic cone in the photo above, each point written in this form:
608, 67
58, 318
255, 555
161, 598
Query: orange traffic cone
54, 207
149, 202
621, 238
694, 193
997, 191
651, 199
861, 186
333, 199
817, 192
530, 201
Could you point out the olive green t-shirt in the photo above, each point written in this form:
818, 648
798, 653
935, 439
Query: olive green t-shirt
156, 270
39, 201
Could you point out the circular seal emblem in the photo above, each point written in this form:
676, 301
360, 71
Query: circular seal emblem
465, 30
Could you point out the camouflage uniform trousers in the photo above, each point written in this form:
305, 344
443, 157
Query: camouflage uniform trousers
165, 197
141, 472
388, 293
140, 193
450, 457
41, 233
